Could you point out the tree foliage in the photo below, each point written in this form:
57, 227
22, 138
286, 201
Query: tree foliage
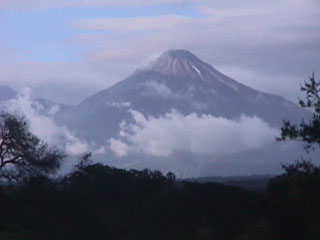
294, 196
96, 201
308, 132
294, 200
22, 154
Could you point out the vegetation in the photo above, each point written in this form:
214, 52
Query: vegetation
95, 201
294, 197
22, 154
99, 202
309, 132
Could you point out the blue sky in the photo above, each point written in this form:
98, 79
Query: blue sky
84, 46
44, 34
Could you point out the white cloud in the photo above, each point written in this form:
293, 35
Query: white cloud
44, 127
271, 41
281, 84
47, 4
203, 135
75, 146
126, 25
119, 104
58, 72
245, 6
102, 150
119, 148
158, 88
270, 38
62, 82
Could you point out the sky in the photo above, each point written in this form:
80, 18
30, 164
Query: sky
67, 50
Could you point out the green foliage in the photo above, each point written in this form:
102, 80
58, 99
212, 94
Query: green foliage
22, 154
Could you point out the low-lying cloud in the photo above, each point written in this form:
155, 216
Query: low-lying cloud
157, 88
199, 134
43, 125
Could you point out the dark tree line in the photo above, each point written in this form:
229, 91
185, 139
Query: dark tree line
99, 202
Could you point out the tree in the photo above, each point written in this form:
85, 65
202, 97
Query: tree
85, 161
307, 132
22, 154
294, 202
294, 196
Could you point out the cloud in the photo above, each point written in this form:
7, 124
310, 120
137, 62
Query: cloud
119, 104
158, 88
218, 4
62, 82
37, 72
281, 84
271, 39
44, 127
119, 148
203, 135
48, 4
126, 25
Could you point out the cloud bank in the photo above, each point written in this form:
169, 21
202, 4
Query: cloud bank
43, 125
203, 135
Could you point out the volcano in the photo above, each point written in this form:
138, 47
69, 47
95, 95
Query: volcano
177, 81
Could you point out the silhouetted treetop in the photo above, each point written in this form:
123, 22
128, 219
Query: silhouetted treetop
308, 132
22, 154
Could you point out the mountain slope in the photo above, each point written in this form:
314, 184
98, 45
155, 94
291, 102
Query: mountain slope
176, 80
180, 114
6, 93
47, 107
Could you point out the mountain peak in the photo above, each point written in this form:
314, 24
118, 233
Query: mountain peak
178, 62
179, 68
179, 53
